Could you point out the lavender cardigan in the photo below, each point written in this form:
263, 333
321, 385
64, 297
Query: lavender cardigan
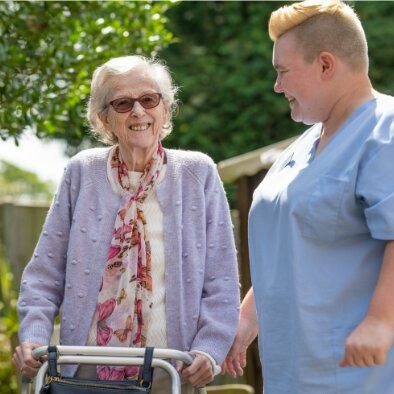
202, 290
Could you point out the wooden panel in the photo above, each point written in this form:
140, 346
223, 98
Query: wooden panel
20, 227
245, 188
231, 389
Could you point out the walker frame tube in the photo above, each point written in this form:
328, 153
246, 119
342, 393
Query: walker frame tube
111, 356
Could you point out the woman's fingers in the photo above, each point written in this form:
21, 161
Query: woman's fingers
199, 372
24, 361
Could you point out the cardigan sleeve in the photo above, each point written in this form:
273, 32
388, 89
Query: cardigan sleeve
219, 308
42, 283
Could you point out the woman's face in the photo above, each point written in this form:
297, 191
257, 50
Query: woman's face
140, 127
299, 81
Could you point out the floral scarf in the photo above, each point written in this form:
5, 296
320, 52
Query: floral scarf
124, 300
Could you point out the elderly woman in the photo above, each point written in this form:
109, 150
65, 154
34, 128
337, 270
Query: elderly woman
137, 246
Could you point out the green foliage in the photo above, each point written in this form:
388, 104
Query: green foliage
8, 328
22, 185
377, 19
223, 63
49, 50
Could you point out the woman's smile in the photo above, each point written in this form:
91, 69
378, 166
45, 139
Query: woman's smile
140, 126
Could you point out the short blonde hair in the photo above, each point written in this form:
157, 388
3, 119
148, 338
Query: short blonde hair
127, 65
326, 25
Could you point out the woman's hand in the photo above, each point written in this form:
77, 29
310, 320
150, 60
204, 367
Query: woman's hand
368, 344
24, 361
247, 331
235, 361
200, 372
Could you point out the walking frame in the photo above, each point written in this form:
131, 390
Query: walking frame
112, 356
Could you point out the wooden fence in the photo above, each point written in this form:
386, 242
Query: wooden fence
20, 227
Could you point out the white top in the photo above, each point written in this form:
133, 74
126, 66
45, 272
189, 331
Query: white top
157, 330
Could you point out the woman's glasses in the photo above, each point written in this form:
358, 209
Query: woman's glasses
126, 104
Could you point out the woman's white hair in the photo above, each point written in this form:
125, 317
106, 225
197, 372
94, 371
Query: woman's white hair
127, 65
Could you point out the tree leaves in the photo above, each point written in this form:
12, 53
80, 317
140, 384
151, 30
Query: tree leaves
49, 51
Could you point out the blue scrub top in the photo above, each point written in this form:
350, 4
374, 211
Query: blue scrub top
317, 232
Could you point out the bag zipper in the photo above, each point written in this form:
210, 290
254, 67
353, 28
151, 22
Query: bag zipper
88, 384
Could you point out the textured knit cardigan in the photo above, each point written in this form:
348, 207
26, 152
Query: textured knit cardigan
201, 277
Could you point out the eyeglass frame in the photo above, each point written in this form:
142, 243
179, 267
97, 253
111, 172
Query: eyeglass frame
133, 100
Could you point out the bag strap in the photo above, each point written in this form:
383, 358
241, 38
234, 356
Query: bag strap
147, 370
52, 361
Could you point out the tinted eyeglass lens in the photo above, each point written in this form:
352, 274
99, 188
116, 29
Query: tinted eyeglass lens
125, 104
149, 100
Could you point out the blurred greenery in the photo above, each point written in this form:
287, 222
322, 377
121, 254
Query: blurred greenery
8, 328
22, 185
49, 50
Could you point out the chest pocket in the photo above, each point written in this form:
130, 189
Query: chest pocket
323, 218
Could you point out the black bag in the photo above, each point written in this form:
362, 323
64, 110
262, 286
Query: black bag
56, 384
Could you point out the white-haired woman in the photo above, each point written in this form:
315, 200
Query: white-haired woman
137, 247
